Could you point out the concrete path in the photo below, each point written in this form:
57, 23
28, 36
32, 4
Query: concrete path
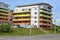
39, 37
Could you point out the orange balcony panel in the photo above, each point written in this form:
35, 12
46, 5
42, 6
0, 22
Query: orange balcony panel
45, 24
16, 23
4, 21
25, 23
20, 23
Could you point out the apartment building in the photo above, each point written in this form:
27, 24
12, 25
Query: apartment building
4, 13
38, 15
11, 15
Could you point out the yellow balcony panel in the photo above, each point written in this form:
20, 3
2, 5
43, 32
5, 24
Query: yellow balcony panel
20, 15
4, 13
45, 16
45, 11
20, 11
4, 10
20, 19
3, 17
45, 20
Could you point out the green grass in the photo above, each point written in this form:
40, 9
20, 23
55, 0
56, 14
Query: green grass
23, 32
52, 32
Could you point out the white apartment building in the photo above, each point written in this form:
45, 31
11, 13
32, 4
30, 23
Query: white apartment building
39, 15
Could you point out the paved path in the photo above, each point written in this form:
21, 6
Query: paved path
43, 37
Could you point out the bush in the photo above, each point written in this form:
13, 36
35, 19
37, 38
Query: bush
5, 27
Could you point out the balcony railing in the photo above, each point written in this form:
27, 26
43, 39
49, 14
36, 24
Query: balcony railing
45, 16
21, 15
45, 20
46, 24
4, 21
4, 10
3, 17
21, 11
4, 13
45, 11
20, 19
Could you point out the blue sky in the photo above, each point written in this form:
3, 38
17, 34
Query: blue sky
54, 3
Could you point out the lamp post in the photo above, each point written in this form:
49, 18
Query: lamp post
55, 27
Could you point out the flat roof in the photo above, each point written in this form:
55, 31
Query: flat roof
42, 3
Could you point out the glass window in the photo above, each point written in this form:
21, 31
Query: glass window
29, 9
35, 17
35, 21
35, 26
22, 9
49, 8
35, 12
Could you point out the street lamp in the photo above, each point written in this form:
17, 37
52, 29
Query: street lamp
54, 26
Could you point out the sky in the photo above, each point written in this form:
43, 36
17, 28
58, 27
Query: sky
54, 3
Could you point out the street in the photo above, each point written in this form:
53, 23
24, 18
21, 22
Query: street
39, 37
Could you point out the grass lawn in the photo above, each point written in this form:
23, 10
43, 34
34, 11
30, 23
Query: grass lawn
23, 32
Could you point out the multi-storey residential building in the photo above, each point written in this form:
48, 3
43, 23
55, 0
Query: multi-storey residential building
38, 15
11, 15
4, 13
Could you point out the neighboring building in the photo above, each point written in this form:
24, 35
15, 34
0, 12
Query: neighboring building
11, 15
4, 13
38, 15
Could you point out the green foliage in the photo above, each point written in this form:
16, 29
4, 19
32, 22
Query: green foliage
5, 27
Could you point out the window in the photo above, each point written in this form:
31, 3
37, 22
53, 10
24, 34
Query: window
35, 17
49, 8
22, 9
35, 26
35, 21
29, 9
35, 12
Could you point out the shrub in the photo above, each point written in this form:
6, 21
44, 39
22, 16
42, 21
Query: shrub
5, 27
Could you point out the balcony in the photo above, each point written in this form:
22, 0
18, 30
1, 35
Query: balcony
20, 23
45, 20
21, 11
45, 24
3, 17
4, 10
4, 21
4, 13
45, 16
21, 15
45, 11
21, 19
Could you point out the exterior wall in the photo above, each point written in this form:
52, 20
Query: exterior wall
35, 16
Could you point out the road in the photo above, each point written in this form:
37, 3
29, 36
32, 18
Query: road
39, 37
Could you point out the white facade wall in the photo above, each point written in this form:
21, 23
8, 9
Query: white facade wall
33, 15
